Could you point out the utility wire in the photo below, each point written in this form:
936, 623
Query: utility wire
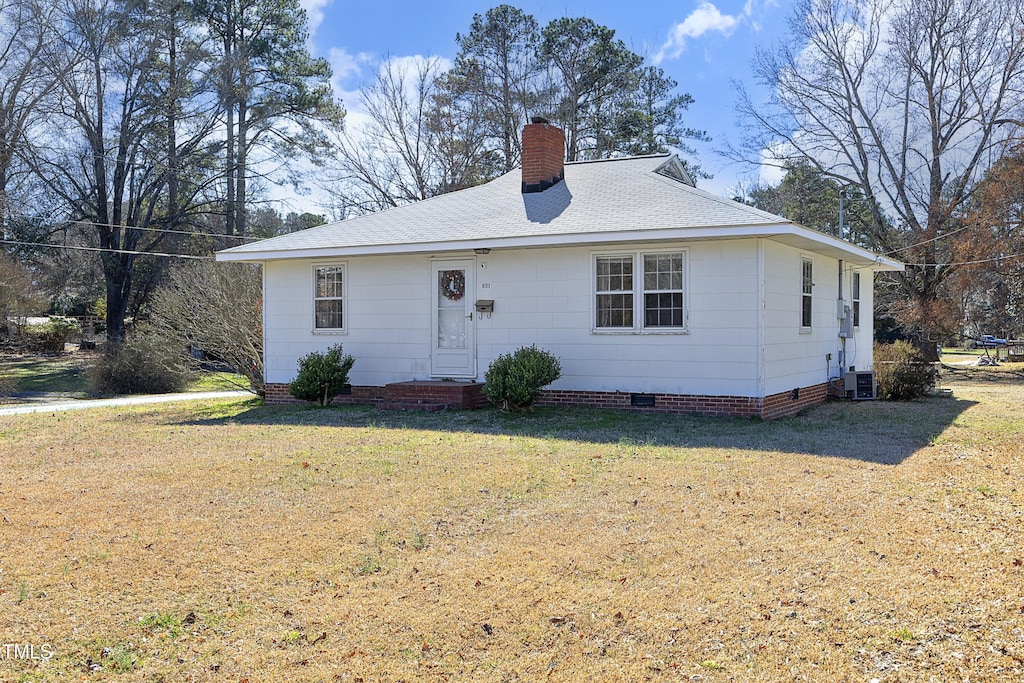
934, 239
107, 251
176, 232
987, 260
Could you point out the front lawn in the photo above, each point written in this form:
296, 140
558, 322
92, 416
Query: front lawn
64, 373
227, 541
68, 374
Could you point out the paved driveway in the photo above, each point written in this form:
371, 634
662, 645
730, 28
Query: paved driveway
124, 401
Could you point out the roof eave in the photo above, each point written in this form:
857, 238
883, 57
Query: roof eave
787, 233
802, 237
525, 242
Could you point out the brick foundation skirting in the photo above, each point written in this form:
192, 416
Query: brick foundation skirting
768, 408
277, 394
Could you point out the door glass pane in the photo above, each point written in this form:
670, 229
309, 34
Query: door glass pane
451, 309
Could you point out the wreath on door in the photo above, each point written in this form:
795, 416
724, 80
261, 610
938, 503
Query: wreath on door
453, 284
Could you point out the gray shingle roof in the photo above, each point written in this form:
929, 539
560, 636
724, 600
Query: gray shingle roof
597, 202
616, 195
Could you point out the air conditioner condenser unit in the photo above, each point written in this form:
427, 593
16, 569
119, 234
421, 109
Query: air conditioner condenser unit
860, 386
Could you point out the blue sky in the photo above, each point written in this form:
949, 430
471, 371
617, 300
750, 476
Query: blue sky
703, 45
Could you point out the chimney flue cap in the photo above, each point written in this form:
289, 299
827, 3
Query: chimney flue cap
539, 119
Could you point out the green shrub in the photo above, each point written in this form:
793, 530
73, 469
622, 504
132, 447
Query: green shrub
513, 381
322, 376
143, 364
902, 372
54, 333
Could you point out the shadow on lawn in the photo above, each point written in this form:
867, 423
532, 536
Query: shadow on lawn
878, 432
63, 373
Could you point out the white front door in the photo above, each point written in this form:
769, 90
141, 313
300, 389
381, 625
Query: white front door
452, 332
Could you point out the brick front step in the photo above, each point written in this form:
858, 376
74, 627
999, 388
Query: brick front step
461, 395
412, 405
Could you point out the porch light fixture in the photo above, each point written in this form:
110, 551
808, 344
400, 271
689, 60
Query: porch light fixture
484, 250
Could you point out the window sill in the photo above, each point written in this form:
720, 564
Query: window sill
636, 332
806, 330
318, 332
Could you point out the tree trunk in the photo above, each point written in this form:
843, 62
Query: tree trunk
242, 142
172, 139
229, 146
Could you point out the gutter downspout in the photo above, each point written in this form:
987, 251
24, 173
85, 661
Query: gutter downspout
263, 315
762, 305
840, 304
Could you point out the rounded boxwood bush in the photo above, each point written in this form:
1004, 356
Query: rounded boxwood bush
322, 376
902, 372
513, 381
54, 333
143, 364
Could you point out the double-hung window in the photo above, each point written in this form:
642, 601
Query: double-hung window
806, 289
640, 292
329, 298
855, 298
663, 290
615, 292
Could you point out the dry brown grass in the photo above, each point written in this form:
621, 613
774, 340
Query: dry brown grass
232, 542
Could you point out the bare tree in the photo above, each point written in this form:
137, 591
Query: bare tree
216, 307
908, 101
412, 146
119, 139
25, 36
20, 294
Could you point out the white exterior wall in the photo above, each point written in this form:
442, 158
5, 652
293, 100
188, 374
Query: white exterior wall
543, 297
798, 357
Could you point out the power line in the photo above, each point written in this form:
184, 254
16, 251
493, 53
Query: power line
934, 239
176, 232
988, 260
108, 251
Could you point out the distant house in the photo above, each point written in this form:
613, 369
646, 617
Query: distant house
654, 294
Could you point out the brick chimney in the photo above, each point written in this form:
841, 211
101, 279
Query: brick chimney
543, 155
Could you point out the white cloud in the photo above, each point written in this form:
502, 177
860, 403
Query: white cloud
705, 19
348, 74
412, 64
770, 172
314, 13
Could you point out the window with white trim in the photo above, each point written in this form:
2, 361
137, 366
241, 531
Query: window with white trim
651, 301
855, 298
663, 290
615, 292
806, 289
329, 298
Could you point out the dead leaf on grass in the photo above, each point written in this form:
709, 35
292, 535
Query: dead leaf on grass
557, 621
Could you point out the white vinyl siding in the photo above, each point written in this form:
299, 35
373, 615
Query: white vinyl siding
544, 297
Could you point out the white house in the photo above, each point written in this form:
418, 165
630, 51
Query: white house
653, 294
